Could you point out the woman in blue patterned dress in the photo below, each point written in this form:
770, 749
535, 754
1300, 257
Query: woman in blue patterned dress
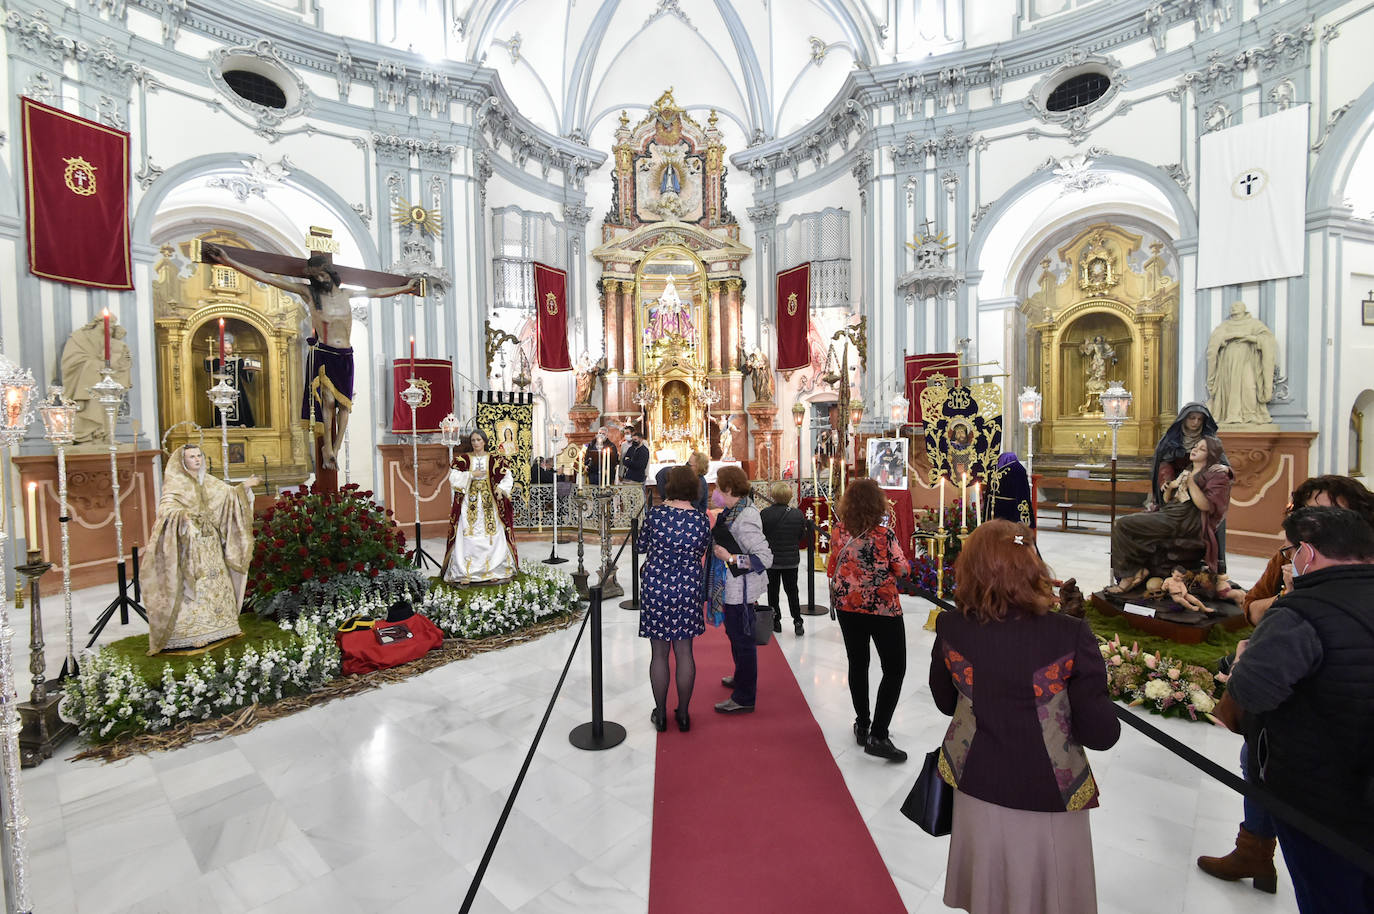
675, 537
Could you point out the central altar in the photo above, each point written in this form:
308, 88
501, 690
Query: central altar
671, 285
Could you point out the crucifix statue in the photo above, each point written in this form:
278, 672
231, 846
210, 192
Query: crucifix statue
319, 284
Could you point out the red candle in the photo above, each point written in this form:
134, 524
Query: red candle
106, 315
412, 356
221, 344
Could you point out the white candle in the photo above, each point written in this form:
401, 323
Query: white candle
977, 503
963, 500
33, 515
942, 502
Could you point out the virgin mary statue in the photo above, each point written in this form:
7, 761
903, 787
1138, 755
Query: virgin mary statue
198, 555
481, 536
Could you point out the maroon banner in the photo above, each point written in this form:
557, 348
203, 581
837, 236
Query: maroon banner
435, 377
551, 300
794, 318
76, 177
920, 367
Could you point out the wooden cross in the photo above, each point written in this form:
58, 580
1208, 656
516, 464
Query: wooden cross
321, 242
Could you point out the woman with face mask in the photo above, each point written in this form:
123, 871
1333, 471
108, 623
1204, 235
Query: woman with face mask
1184, 529
740, 558
198, 555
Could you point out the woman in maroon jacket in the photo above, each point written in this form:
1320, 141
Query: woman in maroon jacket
1014, 751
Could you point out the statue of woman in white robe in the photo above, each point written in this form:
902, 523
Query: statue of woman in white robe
198, 555
481, 540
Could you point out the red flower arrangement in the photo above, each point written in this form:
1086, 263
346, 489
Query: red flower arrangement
313, 536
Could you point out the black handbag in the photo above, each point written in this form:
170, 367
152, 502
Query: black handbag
931, 801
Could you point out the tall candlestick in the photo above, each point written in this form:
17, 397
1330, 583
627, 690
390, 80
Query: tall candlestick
963, 501
33, 516
942, 502
412, 356
977, 503
106, 315
221, 344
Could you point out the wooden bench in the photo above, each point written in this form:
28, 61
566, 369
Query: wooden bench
1070, 485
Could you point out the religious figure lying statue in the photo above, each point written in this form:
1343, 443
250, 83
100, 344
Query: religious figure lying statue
1184, 530
198, 555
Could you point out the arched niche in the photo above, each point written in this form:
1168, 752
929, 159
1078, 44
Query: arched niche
1361, 447
1097, 323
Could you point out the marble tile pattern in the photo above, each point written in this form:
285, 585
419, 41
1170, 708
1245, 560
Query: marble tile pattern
384, 802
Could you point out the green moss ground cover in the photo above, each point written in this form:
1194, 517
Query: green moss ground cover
1219, 643
257, 632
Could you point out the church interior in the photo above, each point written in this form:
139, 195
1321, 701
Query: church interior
456, 281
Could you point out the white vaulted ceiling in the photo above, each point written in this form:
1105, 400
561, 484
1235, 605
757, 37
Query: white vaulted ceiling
768, 66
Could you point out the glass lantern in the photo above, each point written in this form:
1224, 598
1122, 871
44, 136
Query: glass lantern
17, 395
450, 431
1116, 404
1030, 403
856, 412
898, 408
798, 414
59, 416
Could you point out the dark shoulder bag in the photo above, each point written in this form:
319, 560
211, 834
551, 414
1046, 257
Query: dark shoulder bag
931, 801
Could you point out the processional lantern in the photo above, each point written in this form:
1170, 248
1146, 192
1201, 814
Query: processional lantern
898, 408
856, 412
1030, 403
18, 393
1116, 406
798, 414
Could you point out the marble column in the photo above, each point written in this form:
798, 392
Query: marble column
629, 338
714, 318
610, 312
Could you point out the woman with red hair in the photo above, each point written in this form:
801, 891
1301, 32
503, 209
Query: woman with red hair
1014, 751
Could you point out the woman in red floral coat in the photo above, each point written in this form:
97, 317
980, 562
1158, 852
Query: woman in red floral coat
865, 562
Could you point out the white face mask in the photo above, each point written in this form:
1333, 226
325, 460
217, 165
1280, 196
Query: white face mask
1296, 553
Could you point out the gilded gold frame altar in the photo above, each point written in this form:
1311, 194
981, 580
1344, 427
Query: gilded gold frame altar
187, 311
1135, 311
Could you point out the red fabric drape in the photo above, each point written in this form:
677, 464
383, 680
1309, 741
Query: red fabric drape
76, 180
920, 367
436, 379
794, 318
551, 295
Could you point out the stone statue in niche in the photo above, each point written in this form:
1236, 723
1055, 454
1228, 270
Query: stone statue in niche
1240, 370
587, 372
760, 375
727, 437
82, 357
1097, 355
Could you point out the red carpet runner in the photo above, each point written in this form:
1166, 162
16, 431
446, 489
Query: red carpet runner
751, 812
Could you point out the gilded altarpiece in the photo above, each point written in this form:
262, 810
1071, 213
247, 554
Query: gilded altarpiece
1103, 321
671, 287
265, 326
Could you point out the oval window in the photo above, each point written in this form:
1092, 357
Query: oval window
256, 88
1078, 90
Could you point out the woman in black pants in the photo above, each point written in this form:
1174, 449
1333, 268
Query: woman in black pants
865, 563
785, 528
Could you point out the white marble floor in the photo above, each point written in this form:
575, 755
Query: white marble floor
384, 802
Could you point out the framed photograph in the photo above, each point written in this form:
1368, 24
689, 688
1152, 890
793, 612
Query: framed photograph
887, 463
1367, 311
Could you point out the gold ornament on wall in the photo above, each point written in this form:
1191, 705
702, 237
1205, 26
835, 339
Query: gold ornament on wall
426, 220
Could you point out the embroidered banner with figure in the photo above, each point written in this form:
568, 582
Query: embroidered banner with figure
435, 378
76, 180
794, 318
508, 419
963, 430
551, 295
920, 367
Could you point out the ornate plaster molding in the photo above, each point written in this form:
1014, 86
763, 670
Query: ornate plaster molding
1287, 49
261, 56
1075, 61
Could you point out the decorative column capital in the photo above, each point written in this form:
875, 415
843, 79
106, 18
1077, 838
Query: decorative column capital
763, 215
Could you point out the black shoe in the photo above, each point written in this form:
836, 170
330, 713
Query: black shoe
861, 733
883, 748
777, 623
659, 720
684, 720
728, 681
797, 628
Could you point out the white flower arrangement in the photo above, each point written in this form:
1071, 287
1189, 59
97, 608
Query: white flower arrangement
109, 699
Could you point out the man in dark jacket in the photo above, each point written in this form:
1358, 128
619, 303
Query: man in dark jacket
592, 458
1305, 682
785, 527
635, 461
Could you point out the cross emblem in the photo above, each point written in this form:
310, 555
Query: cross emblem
1247, 181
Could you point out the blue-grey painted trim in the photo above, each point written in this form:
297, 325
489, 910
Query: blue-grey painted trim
761, 106
1332, 171
579, 83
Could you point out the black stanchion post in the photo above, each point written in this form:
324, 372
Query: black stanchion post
811, 609
633, 602
598, 734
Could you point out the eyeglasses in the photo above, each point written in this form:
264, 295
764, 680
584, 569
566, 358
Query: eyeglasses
1287, 551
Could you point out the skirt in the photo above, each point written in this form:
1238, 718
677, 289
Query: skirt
1158, 540
1015, 861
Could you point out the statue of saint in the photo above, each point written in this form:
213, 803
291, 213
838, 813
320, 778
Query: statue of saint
1097, 355
82, 358
727, 437
1240, 369
586, 374
760, 375
328, 396
672, 316
198, 555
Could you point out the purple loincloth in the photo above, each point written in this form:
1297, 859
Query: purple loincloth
327, 368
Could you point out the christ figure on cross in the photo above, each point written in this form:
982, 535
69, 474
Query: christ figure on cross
328, 397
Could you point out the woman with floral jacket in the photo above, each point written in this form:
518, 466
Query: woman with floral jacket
865, 562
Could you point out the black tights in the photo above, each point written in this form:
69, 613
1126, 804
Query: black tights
658, 672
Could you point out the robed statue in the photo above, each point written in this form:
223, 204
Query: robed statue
82, 358
197, 556
1097, 355
585, 376
1240, 369
760, 375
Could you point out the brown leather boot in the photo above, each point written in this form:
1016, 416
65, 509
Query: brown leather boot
1253, 858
